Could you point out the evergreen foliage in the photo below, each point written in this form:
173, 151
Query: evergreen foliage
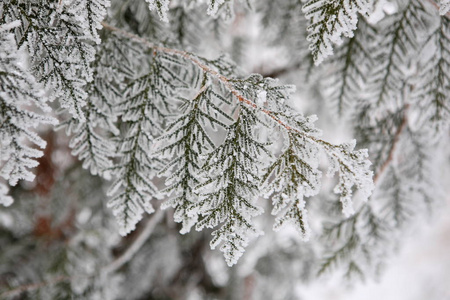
165, 127
18, 90
329, 21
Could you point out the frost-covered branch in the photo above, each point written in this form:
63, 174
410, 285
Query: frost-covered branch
260, 100
20, 98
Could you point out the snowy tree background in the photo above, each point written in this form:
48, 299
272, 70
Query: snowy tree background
138, 136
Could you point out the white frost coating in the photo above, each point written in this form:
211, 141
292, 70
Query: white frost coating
89, 14
261, 98
227, 200
354, 170
9, 26
18, 92
328, 27
444, 7
5, 199
213, 6
297, 216
161, 7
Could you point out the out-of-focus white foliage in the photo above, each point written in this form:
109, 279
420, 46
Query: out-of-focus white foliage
397, 43
433, 84
389, 78
348, 65
5, 199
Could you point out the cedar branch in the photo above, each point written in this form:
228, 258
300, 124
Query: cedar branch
223, 79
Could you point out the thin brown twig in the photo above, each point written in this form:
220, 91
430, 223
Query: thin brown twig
223, 79
137, 243
390, 157
226, 81
112, 267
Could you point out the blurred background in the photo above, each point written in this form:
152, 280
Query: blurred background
60, 241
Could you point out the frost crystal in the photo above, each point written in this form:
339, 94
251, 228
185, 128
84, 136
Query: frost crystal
161, 7
261, 98
5, 199
213, 6
445, 7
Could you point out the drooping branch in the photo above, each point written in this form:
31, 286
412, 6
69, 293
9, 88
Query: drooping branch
352, 166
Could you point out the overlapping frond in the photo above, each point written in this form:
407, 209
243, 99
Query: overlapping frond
349, 69
330, 20
228, 196
395, 45
433, 81
20, 97
296, 176
58, 38
92, 13
189, 141
161, 111
90, 141
143, 109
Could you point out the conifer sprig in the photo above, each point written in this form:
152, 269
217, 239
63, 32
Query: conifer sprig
296, 176
145, 105
329, 21
228, 195
59, 45
20, 97
188, 141
90, 142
